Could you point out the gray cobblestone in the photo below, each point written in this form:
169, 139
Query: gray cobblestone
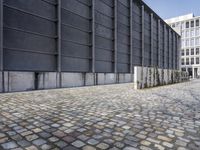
114, 117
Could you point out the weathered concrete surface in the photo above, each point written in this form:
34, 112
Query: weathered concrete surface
26, 81
48, 80
102, 117
145, 77
19, 81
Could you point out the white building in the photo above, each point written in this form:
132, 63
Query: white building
189, 28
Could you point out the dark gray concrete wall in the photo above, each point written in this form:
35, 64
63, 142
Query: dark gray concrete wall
83, 36
103, 37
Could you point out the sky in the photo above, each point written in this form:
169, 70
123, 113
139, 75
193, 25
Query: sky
173, 8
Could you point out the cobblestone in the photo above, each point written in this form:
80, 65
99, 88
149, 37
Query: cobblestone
113, 117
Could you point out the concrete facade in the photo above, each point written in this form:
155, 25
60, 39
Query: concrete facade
188, 27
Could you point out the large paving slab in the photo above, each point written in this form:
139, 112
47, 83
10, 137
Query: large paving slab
114, 117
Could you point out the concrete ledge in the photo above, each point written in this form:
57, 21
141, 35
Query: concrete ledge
26, 81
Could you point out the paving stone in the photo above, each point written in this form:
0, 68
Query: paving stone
180, 143
103, 146
46, 147
61, 144
146, 143
53, 139
92, 142
39, 142
9, 145
24, 143
78, 143
130, 148
141, 136
69, 139
31, 137
159, 147
182, 148
169, 145
145, 148
119, 144
164, 138
89, 148
31, 148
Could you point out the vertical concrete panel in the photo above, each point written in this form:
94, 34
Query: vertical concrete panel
72, 79
21, 81
1, 81
121, 78
100, 78
90, 79
110, 78
51, 80
128, 78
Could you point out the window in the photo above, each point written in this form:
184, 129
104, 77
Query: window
187, 24
192, 23
186, 42
183, 52
187, 52
192, 33
182, 61
197, 60
187, 34
197, 41
183, 69
192, 61
187, 61
197, 23
192, 42
197, 51
197, 32
192, 51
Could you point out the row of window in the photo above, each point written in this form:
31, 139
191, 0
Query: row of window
189, 61
190, 52
190, 33
190, 42
191, 24
187, 24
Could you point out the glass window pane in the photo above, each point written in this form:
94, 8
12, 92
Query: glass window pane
197, 60
197, 22
197, 51
187, 52
192, 51
187, 24
192, 61
192, 23
187, 61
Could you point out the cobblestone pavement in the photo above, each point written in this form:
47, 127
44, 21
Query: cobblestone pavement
104, 117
